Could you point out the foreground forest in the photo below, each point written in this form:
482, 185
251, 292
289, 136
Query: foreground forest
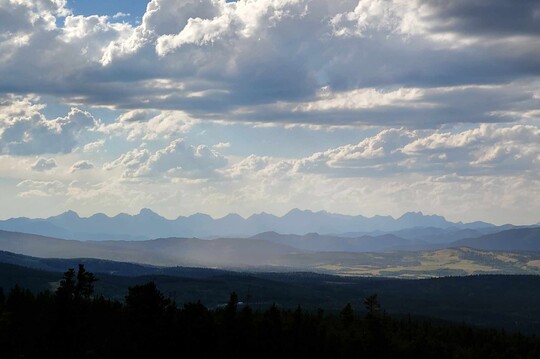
72, 322
495, 301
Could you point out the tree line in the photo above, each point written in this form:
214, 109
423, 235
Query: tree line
73, 323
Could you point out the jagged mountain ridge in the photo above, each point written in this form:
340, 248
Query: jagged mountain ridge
148, 224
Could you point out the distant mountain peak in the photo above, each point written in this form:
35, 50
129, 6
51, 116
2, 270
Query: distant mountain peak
147, 211
200, 216
412, 214
261, 215
420, 215
99, 215
296, 211
69, 214
232, 216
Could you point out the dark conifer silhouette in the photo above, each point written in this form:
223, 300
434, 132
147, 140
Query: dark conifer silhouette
148, 324
347, 315
371, 304
76, 287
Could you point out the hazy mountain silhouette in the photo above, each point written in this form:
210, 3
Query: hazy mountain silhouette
521, 239
238, 252
148, 224
346, 256
325, 243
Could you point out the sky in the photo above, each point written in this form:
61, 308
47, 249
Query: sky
349, 106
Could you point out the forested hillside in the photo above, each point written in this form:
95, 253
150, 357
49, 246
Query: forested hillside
71, 323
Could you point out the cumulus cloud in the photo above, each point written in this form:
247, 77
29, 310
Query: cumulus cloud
458, 21
32, 188
233, 19
94, 146
120, 15
81, 166
178, 159
270, 60
135, 116
43, 164
150, 125
130, 161
24, 130
248, 166
486, 150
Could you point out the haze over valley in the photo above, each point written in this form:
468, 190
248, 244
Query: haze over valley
411, 246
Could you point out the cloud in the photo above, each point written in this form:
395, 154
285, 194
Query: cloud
24, 130
81, 166
43, 164
120, 15
32, 188
463, 21
248, 166
365, 99
221, 145
275, 61
150, 125
178, 159
130, 161
487, 150
94, 146
135, 116
439, 101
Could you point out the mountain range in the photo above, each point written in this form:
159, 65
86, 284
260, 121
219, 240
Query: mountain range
148, 225
515, 251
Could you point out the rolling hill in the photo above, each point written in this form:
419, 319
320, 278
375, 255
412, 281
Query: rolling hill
326, 243
521, 239
238, 252
257, 254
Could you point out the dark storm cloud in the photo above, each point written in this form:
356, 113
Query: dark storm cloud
493, 18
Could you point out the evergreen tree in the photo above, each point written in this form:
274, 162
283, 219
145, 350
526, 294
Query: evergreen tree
347, 315
66, 290
85, 283
371, 304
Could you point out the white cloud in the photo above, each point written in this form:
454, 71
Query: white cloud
365, 99
178, 159
24, 130
248, 166
150, 125
120, 15
43, 164
135, 115
81, 166
486, 150
94, 146
32, 188
395, 16
221, 145
130, 161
